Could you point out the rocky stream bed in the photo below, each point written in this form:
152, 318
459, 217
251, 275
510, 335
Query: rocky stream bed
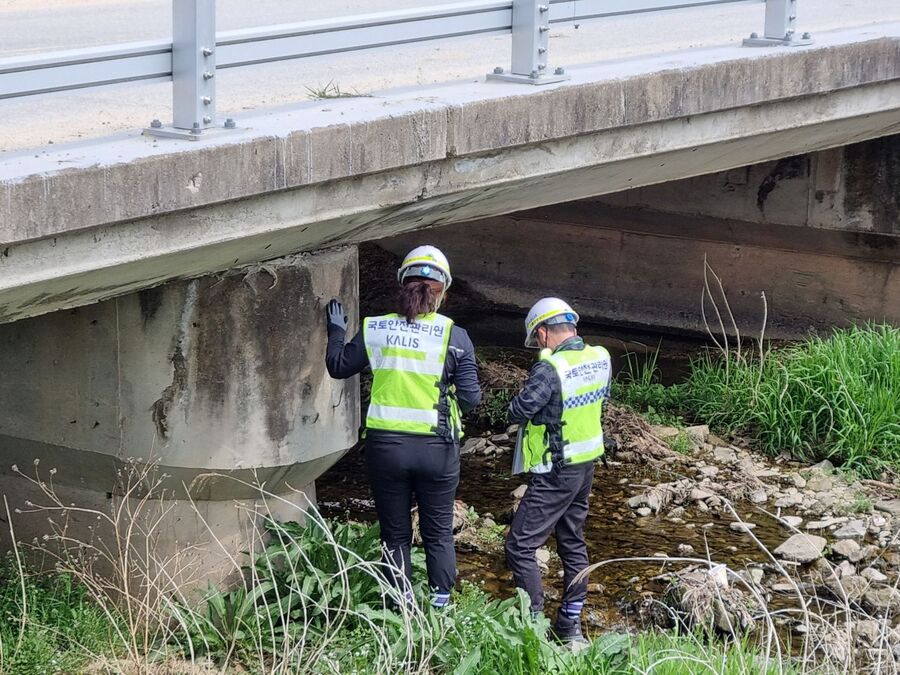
715, 535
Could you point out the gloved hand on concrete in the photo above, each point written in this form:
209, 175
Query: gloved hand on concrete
337, 317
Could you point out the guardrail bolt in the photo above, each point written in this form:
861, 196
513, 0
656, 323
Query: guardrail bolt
807, 36
535, 75
543, 8
229, 123
196, 128
207, 119
207, 51
542, 50
208, 75
560, 71
155, 124
544, 29
206, 100
498, 70
754, 36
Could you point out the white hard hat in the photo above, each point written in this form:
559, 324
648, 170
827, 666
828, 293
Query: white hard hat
547, 311
427, 262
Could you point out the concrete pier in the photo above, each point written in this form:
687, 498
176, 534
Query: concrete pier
216, 381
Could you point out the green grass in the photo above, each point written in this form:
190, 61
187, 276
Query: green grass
835, 397
638, 387
48, 624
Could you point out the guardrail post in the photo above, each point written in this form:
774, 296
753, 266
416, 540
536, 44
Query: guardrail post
193, 70
530, 43
780, 29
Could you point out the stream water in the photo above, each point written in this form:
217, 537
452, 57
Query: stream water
612, 531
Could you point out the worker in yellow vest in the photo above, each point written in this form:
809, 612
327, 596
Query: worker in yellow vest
560, 408
424, 379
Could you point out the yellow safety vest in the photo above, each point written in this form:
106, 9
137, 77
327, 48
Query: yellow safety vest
584, 378
407, 360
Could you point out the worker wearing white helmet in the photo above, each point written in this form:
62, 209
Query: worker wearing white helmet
424, 379
559, 408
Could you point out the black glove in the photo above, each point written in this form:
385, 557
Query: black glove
337, 317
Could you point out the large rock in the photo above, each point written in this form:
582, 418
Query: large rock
802, 548
792, 521
891, 506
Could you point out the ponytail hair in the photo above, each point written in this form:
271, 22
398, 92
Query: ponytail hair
418, 296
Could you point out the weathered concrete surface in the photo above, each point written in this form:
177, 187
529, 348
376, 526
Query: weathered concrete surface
645, 269
294, 180
853, 188
221, 373
217, 381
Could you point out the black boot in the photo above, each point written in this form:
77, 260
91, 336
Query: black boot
568, 631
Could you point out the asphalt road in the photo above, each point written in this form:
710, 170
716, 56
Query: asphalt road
34, 26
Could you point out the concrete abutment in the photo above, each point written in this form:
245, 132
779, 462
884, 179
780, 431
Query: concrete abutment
219, 382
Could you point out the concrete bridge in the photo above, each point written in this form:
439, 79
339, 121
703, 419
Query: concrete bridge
163, 298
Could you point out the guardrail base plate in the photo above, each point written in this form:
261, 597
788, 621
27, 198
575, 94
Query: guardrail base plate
526, 79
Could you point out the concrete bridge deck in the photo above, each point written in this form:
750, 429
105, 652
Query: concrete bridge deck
91, 220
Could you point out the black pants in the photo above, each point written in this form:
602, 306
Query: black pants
555, 502
400, 466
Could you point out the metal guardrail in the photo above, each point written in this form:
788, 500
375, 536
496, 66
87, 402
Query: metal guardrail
197, 51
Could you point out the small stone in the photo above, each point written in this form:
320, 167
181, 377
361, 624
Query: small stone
709, 471
824, 466
512, 429
845, 548
802, 548
820, 524
792, 521
519, 492
660, 554
852, 586
788, 501
845, 569
664, 432
595, 588
852, 530
499, 438
783, 587
542, 555
742, 527
713, 502
623, 481
864, 553
488, 522
698, 495
725, 455
643, 512
472, 446
685, 549
797, 480
756, 575
701, 506
868, 630
873, 575
759, 497
884, 600
820, 484
699, 433
676, 513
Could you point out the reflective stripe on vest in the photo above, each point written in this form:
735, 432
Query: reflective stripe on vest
584, 382
407, 362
